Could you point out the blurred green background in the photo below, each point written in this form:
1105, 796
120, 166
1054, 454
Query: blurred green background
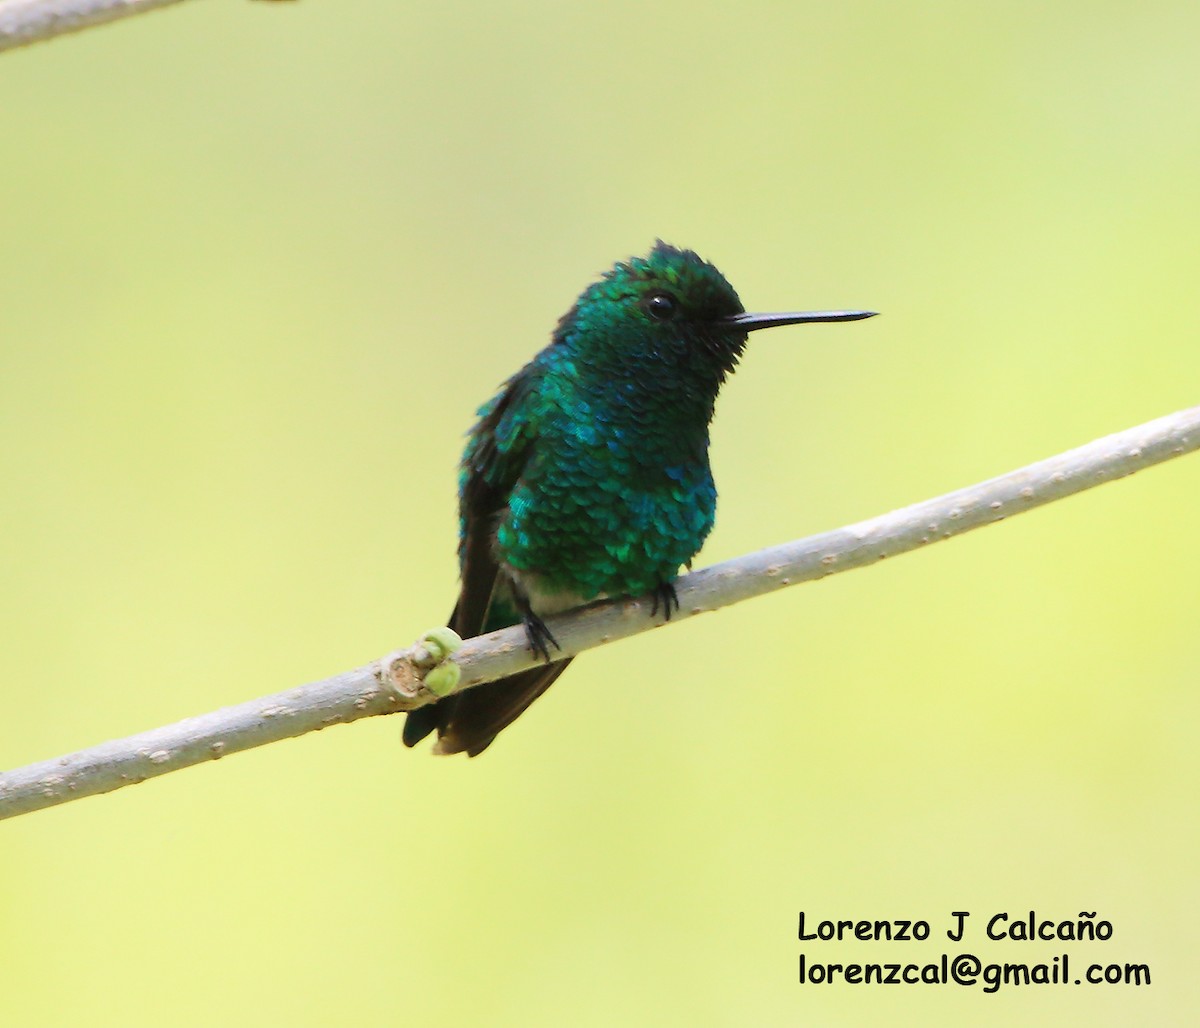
260, 265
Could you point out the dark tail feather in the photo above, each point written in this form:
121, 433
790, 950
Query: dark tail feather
420, 722
469, 721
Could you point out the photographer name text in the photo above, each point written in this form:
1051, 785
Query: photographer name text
1028, 927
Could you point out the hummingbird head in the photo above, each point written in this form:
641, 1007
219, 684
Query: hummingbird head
670, 308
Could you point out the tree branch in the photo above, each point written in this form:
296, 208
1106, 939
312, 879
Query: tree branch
31, 21
396, 682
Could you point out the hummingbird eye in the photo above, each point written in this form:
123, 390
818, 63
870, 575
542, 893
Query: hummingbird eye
661, 306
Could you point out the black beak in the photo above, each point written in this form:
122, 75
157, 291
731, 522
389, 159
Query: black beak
753, 322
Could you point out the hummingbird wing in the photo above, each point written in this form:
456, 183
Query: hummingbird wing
499, 448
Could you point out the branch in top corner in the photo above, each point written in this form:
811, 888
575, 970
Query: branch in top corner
31, 21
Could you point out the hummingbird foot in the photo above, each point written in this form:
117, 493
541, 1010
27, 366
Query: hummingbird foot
538, 635
664, 593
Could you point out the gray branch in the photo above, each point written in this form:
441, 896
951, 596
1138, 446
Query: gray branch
30, 21
397, 683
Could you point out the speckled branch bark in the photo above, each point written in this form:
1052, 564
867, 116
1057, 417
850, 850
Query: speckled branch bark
396, 682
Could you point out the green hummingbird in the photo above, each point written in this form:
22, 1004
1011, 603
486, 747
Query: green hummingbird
587, 475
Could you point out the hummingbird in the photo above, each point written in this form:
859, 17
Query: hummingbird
587, 475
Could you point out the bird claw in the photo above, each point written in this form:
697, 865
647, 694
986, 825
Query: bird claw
538, 636
665, 594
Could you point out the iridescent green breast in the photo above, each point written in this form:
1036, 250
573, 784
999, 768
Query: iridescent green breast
614, 492
585, 530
